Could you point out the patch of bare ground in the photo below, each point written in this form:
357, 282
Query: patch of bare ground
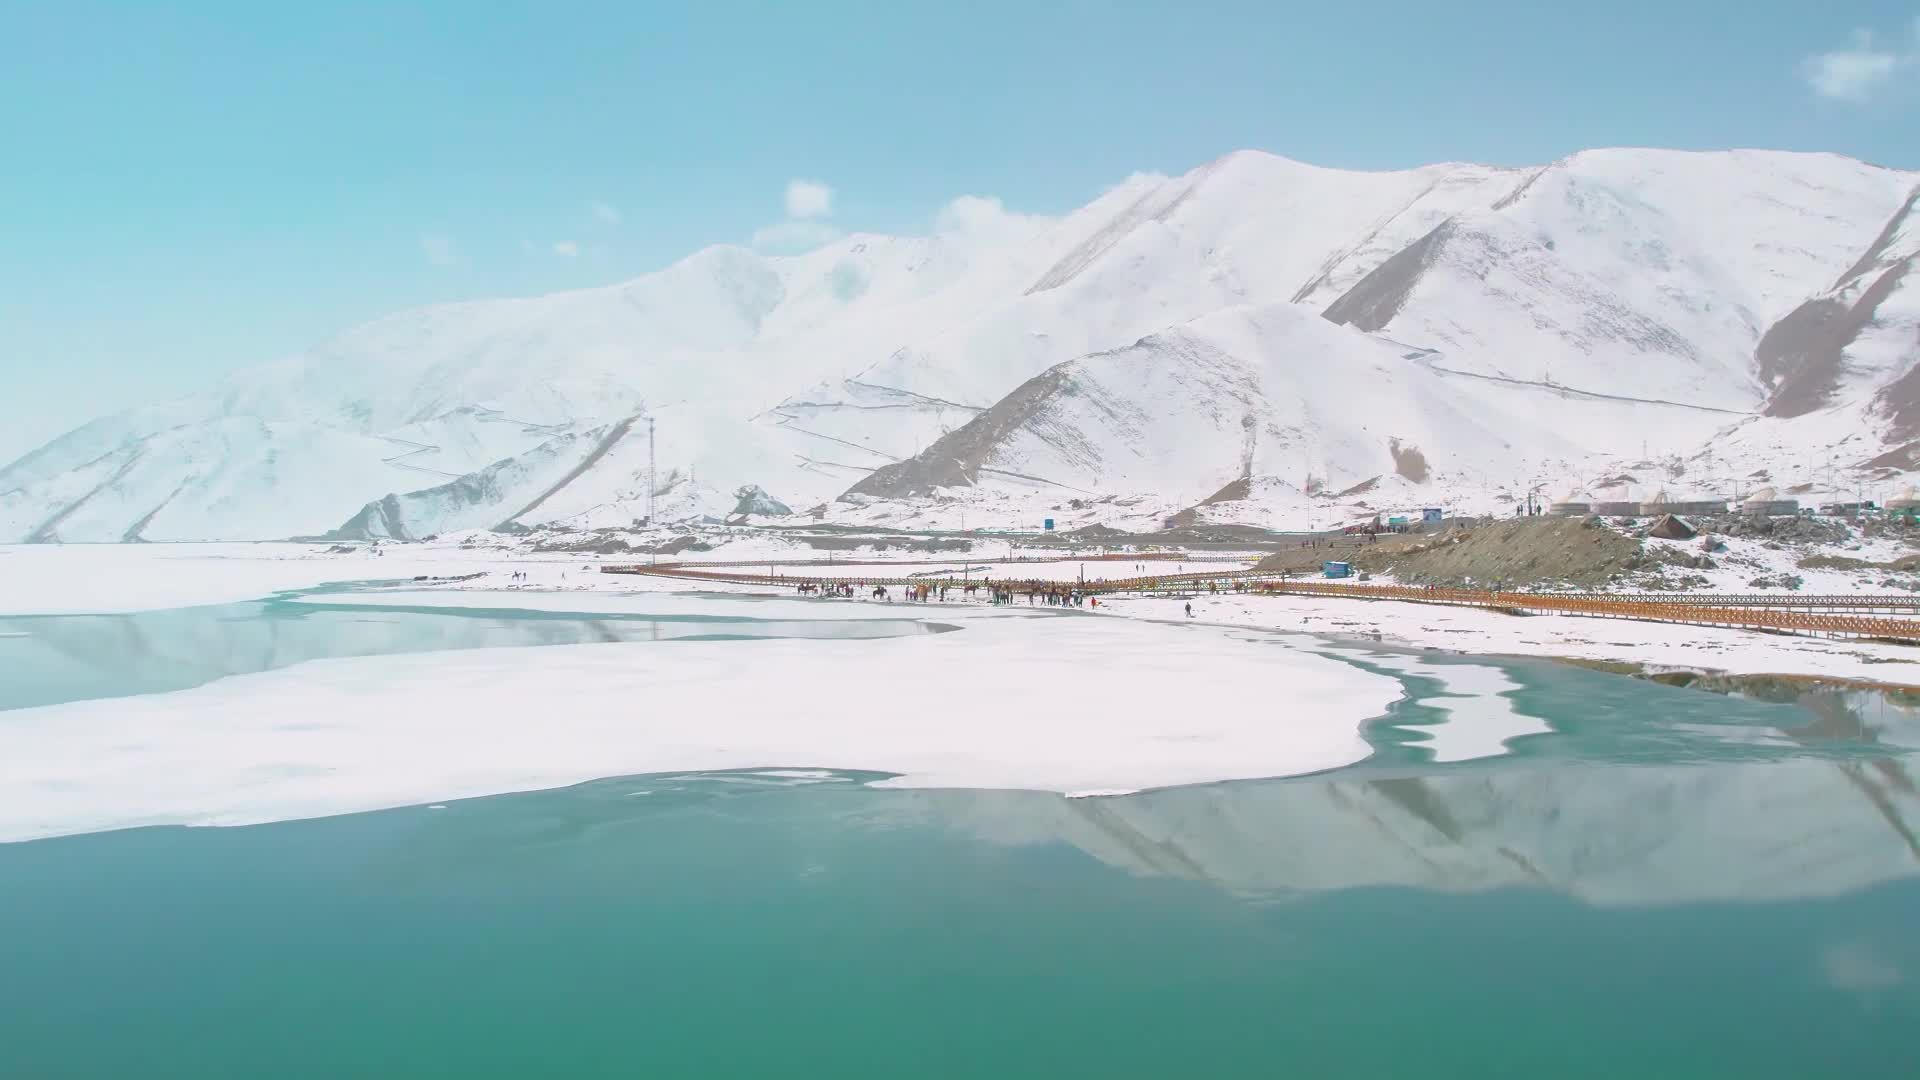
1538, 552
1408, 461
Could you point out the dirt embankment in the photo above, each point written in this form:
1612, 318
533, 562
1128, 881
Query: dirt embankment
1905, 565
931, 546
1523, 553
1302, 556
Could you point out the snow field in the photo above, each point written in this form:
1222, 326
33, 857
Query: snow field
1013, 701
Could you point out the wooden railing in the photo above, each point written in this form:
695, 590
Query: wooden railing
1694, 608
1786, 614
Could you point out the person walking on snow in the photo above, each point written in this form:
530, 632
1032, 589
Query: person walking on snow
1189, 610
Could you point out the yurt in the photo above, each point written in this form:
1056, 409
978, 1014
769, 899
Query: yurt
1615, 502
1766, 503
1573, 503
1689, 505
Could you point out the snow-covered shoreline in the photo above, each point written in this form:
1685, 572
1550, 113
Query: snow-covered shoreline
83, 579
1007, 703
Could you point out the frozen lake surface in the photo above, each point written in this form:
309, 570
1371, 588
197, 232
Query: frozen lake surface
603, 827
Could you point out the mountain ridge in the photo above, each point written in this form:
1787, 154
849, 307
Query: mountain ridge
1635, 273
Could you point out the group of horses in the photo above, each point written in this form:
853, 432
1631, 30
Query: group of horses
918, 593
1050, 593
1054, 594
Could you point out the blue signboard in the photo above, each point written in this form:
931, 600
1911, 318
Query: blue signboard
1431, 515
1336, 569
1049, 524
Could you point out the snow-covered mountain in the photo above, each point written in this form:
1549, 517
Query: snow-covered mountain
1254, 326
1840, 367
1271, 392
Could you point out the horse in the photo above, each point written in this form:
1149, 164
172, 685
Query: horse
880, 593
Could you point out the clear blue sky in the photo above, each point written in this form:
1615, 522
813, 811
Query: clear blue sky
187, 188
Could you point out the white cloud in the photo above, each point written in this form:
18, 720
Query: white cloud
967, 222
809, 199
985, 219
794, 237
606, 213
1862, 69
566, 248
440, 249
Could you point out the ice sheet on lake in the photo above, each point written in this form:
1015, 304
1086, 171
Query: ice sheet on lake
56, 579
1480, 719
784, 605
1056, 704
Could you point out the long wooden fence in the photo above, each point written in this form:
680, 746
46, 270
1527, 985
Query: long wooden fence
1822, 615
1696, 609
853, 560
1006, 574
1790, 601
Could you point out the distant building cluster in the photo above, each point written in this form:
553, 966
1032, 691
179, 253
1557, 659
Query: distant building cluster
1762, 503
1765, 502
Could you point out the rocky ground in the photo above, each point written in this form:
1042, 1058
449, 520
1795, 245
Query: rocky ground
1730, 553
1522, 553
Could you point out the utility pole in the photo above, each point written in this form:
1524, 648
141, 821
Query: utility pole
651, 485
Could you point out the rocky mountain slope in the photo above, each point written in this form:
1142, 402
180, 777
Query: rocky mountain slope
1257, 331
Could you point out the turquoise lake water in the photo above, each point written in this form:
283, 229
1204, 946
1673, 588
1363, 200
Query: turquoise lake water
1670, 882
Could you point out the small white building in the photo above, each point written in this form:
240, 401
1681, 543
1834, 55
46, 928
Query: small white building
1616, 501
1767, 503
1683, 505
1574, 503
